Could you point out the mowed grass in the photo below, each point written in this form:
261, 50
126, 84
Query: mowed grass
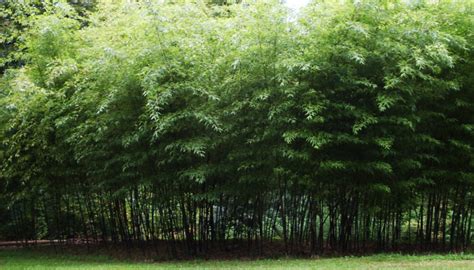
23, 259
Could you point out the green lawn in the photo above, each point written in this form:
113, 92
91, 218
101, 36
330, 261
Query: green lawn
33, 260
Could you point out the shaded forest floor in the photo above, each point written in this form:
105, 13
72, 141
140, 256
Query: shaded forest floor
163, 251
16, 259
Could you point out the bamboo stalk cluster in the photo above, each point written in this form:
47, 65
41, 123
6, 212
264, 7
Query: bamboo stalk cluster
348, 129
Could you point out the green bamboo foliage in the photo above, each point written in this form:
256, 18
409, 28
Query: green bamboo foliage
347, 127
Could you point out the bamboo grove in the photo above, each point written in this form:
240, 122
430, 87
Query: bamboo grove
346, 127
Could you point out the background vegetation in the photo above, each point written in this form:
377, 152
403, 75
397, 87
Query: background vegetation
208, 125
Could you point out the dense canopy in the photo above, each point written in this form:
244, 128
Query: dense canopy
348, 126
